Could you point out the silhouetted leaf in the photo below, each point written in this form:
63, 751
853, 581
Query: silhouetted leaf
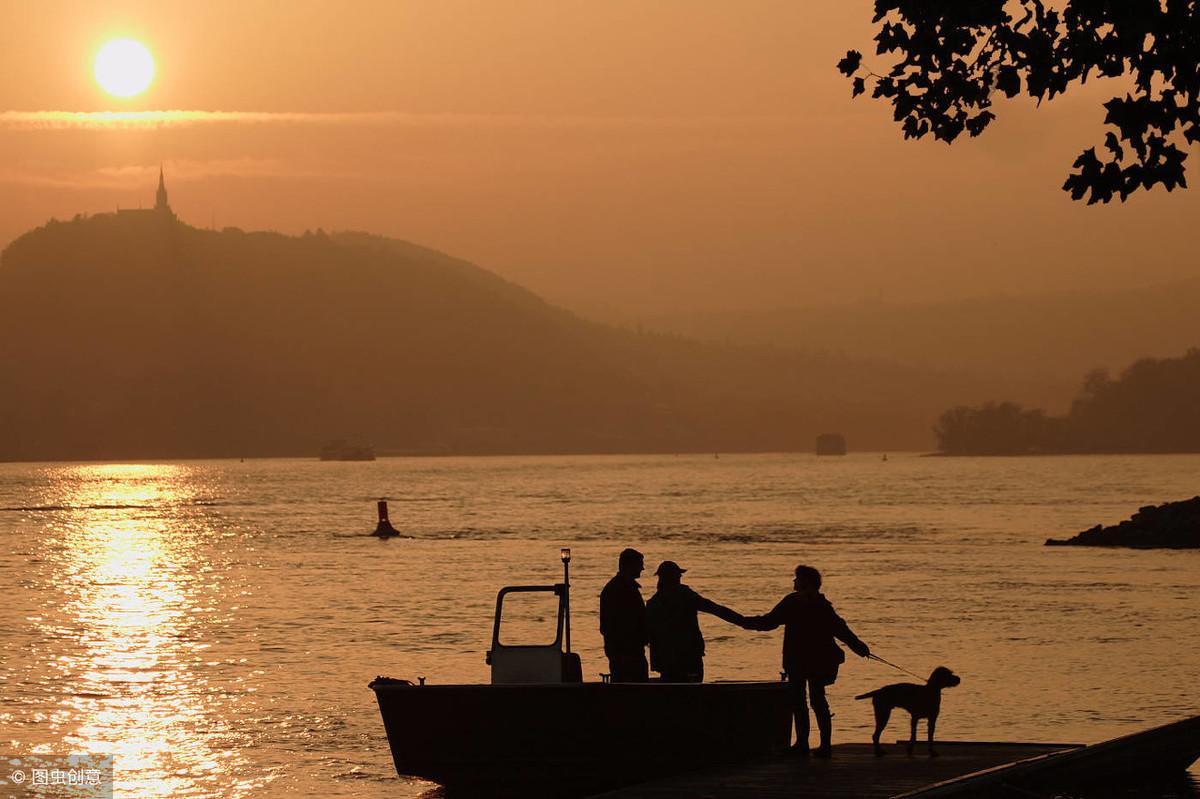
890, 38
850, 64
976, 124
1008, 81
860, 86
1110, 141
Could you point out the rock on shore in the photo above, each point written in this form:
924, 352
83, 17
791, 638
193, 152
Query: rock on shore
1172, 525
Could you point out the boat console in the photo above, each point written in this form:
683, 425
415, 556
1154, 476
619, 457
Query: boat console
537, 663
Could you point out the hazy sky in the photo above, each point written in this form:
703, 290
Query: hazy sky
625, 155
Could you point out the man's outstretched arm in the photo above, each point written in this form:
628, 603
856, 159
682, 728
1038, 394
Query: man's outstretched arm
770, 621
720, 611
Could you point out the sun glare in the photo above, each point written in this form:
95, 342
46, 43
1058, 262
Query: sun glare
124, 67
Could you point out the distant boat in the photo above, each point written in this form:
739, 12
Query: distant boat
831, 444
342, 451
539, 730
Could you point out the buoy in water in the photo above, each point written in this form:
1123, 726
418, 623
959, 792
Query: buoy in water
384, 528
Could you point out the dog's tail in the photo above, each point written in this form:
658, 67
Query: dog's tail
868, 694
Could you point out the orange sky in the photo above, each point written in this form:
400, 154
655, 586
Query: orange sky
621, 157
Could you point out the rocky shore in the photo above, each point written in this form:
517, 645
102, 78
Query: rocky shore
1172, 525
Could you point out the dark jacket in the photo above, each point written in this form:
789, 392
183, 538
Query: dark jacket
810, 627
623, 617
676, 643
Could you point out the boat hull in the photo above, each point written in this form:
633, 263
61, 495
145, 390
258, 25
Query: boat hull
574, 739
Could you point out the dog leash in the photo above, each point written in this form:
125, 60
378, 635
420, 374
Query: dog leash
894, 666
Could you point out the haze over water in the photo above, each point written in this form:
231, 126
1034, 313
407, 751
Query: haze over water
215, 623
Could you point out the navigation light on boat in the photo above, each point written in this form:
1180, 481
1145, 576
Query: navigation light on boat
565, 554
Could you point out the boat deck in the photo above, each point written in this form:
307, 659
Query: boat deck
853, 771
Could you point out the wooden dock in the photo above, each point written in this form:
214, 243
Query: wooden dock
853, 771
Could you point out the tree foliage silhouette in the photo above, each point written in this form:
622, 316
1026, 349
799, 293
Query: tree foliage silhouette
954, 56
1154, 406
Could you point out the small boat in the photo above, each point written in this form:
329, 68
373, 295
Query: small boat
1156, 753
539, 730
342, 451
831, 444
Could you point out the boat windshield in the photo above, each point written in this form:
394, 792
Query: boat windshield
529, 619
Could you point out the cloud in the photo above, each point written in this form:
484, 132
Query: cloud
75, 120
187, 169
140, 175
84, 120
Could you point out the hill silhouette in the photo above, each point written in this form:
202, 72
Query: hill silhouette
134, 335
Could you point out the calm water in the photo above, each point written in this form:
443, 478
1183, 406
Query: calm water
215, 624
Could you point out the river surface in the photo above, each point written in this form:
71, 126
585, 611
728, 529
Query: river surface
214, 624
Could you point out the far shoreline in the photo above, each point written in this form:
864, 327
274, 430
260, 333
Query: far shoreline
422, 455
707, 454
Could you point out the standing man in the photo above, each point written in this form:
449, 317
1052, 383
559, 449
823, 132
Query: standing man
810, 655
623, 620
676, 643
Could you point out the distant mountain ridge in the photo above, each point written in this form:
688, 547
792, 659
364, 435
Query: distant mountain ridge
138, 336
1033, 346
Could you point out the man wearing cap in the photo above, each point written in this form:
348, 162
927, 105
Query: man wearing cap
676, 644
623, 620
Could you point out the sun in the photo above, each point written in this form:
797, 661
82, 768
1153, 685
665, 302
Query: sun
124, 67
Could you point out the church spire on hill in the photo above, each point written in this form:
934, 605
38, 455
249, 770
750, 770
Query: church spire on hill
160, 198
161, 207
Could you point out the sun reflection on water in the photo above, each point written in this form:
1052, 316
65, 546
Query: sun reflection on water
132, 586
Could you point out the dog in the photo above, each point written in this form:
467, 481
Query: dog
922, 701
